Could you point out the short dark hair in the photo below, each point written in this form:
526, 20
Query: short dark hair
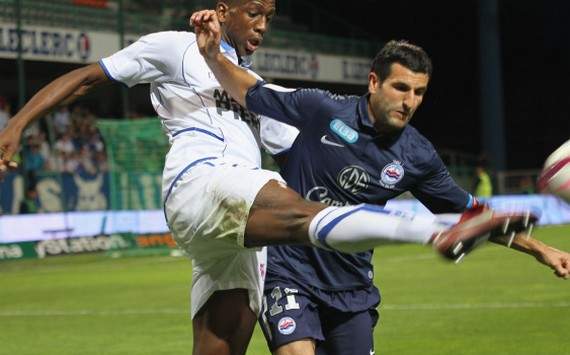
402, 52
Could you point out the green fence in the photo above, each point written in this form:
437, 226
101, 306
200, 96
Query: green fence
136, 150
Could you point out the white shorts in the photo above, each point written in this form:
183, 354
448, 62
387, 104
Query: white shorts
207, 211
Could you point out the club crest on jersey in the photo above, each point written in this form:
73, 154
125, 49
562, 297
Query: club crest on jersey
353, 179
347, 134
391, 174
286, 325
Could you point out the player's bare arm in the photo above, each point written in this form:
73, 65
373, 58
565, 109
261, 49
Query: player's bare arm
63, 90
232, 78
557, 260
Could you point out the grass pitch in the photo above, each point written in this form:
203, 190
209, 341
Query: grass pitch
497, 301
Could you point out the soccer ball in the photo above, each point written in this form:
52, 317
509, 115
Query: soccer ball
555, 175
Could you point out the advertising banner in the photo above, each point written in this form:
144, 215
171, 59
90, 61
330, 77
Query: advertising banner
56, 44
136, 244
14, 251
299, 65
52, 226
79, 192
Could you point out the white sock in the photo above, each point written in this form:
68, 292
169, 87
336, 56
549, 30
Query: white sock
359, 228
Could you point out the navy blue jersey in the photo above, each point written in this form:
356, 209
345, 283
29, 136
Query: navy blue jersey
339, 159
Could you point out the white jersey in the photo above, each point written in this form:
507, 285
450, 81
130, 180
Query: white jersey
198, 116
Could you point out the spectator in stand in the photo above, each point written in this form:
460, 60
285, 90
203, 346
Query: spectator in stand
32, 159
85, 160
30, 203
95, 141
61, 120
483, 186
45, 151
65, 153
101, 161
4, 112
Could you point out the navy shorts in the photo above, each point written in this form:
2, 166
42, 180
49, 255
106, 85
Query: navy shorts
341, 322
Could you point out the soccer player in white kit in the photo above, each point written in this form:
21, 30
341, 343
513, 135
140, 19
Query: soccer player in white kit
219, 204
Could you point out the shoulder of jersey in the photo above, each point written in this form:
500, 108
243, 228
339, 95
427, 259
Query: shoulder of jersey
418, 142
173, 35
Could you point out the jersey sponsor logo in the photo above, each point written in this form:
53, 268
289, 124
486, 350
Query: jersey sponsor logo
326, 141
391, 174
286, 325
225, 103
353, 179
321, 194
347, 134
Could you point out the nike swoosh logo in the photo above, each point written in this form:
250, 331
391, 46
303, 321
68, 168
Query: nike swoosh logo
324, 140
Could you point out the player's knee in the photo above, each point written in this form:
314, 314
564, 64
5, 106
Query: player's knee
283, 224
279, 215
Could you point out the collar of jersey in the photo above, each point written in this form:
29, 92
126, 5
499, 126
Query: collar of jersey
366, 122
363, 116
227, 48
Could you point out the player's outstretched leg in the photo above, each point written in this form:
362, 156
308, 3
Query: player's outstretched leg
279, 215
476, 226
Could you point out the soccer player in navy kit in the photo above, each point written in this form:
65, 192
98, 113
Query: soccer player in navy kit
350, 150
355, 150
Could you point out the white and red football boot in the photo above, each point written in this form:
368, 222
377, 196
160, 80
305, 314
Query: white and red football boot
476, 226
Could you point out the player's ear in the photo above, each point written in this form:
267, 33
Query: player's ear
222, 10
373, 82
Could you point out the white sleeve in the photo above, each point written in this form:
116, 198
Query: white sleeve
276, 137
156, 57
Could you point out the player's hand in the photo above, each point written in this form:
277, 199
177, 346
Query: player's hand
557, 260
9, 145
208, 32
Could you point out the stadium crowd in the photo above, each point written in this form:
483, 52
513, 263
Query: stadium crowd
66, 141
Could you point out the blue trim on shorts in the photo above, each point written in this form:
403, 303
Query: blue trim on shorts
188, 167
201, 130
324, 232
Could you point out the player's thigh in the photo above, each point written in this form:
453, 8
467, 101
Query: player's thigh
279, 215
207, 213
224, 325
349, 333
289, 315
212, 203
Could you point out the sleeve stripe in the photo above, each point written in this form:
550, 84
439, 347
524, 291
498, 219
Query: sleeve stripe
108, 73
278, 88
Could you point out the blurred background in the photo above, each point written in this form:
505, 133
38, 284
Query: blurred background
90, 173
497, 100
495, 108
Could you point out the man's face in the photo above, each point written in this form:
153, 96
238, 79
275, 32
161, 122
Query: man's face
245, 23
393, 101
